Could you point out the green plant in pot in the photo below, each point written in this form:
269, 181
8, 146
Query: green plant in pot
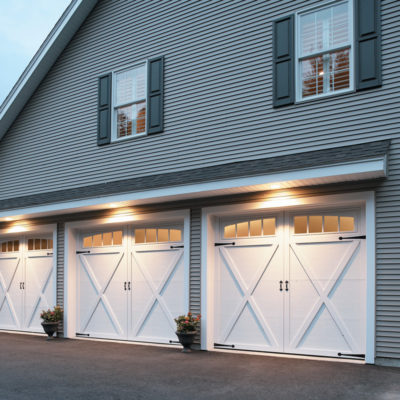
51, 319
186, 329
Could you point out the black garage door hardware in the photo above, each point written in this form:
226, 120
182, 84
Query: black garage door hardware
232, 346
353, 237
224, 244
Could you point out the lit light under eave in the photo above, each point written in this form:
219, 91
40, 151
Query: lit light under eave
17, 229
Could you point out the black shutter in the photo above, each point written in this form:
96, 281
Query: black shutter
368, 44
283, 60
104, 110
155, 95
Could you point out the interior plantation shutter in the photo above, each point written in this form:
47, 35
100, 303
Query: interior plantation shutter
368, 44
104, 110
155, 95
283, 61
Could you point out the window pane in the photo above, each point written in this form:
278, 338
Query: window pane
117, 238
339, 70
97, 240
151, 235
37, 244
87, 241
255, 228
141, 117
139, 236
312, 76
124, 121
4, 247
331, 224
131, 85
269, 226
243, 229
175, 235
300, 224
16, 245
162, 235
50, 244
230, 231
107, 238
346, 224
324, 29
315, 223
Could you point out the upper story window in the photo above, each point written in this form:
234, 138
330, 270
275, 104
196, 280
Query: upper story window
129, 103
325, 51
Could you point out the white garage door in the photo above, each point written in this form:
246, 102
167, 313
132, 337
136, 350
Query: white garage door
288, 283
27, 282
132, 283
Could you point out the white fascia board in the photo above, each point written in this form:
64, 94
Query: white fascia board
42, 61
359, 170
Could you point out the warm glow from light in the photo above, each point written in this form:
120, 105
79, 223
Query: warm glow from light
280, 202
113, 205
120, 218
321, 73
275, 186
17, 229
8, 219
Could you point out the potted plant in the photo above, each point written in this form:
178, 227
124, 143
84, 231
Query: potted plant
186, 329
51, 318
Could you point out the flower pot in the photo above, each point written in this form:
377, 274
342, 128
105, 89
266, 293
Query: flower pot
50, 328
186, 340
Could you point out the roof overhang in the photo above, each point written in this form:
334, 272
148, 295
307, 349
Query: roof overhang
365, 169
42, 61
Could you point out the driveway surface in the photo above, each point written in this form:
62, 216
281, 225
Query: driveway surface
33, 368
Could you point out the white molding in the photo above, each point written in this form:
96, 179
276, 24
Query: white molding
209, 215
351, 171
72, 236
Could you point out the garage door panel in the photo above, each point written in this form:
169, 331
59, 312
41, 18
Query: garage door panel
11, 300
102, 295
158, 294
39, 289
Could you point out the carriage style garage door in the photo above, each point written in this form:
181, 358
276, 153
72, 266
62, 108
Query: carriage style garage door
132, 283
27, 281
288, 283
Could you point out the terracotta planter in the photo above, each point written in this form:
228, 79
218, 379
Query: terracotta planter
186, 340
50, 328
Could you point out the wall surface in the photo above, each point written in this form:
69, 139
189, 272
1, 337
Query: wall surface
218, 109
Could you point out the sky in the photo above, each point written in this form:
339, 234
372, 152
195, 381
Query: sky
24, 24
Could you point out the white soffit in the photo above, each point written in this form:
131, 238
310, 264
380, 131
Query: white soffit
42, 61
346, 172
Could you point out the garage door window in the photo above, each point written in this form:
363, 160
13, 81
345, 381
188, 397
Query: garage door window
309, 224
157, 235
10, 246
40, 244
252, 228
103, 239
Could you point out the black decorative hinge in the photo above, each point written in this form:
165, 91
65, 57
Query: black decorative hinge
353, 237
82, 334
83, 252
176, 247
232, 346
351, 355
224, 244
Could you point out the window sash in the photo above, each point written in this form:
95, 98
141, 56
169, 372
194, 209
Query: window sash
116, 106
343, 46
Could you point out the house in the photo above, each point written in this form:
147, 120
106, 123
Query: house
235, 159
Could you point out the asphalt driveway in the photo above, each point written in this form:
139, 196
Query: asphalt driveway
32, 368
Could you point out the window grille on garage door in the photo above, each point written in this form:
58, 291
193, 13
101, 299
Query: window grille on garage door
157, 235
309, 224
111, 238
250, 228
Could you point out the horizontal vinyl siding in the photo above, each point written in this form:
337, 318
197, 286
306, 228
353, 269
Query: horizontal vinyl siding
60, 268
218, 109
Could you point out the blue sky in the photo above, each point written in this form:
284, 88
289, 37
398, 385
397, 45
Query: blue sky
24, 24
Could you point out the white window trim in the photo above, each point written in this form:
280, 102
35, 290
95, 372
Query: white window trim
298, 14
114, 107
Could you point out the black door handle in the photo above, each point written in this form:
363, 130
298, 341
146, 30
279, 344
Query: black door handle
280, 286
124, 285
287, 286
129, 286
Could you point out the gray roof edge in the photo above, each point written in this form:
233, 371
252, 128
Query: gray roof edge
241, 169
55, 42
